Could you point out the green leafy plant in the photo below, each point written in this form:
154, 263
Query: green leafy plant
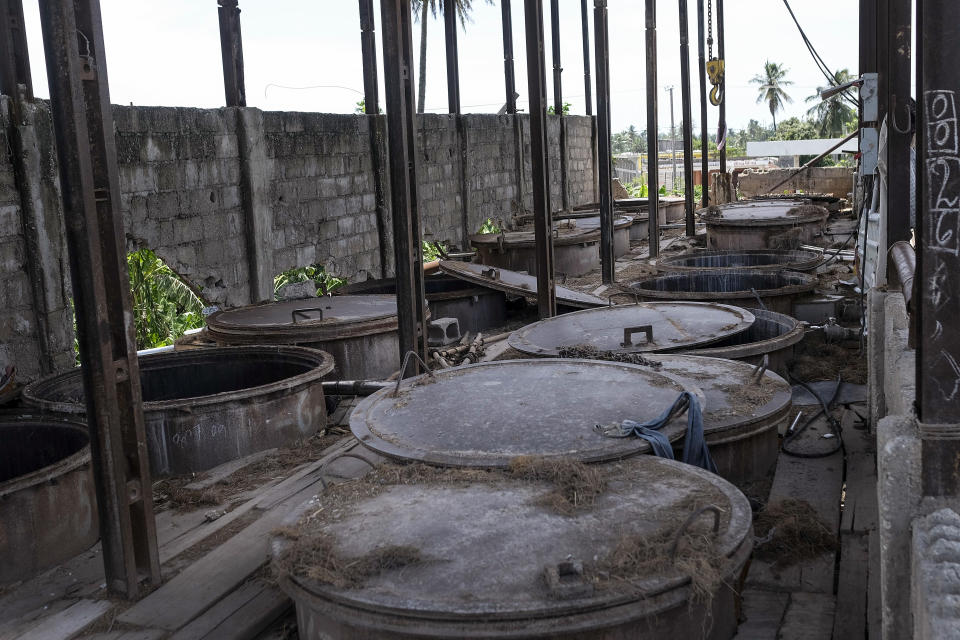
325, 282
489, 226
433, 251
566, 109
164, 307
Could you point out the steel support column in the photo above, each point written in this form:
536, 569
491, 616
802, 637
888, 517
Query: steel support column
558, 99
83, 127
585, 27
509, 78
14, 56
231, 51
938, 257
453, 64
704, 130
539, 162
722, 125
371, 106
899, 129
653, 155
368, 51
687, 122
882, 8
402, 150
604, 150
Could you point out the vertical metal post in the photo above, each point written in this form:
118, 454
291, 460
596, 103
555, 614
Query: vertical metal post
604, 149
402, 150
14, 56
83, 127
453, 64
882, 36
539, 162
508, 75
687, 122
371, 107
898, 122
585, 26
704, 129
368, 50
722, 126
653, 155
231, 51
558, 99
938, 258
673, 144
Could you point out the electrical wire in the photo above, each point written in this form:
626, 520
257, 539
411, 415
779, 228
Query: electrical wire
825, 411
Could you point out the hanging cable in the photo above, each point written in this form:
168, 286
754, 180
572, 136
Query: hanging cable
824, 69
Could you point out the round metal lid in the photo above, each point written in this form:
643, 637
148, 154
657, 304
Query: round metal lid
522, 239
736, 395
307, 320
488, 542
593, 222
484, 415
769, 212
520, 284
652, 326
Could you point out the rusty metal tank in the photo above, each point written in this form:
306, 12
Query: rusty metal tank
591, 221
576, 252
204, 407
485, 414
746, 404
48, 504
764, 224
360, 332
633, 328
757, 259
775, 290
486, 554
772, 336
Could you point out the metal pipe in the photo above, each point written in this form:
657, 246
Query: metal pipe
14, 55
558, 101
653, 167
231, 52
817, 159
539, 161
402, 151
604, 149
903, 261
938, 241
453, 65
89, 178
687, 122
508, 74
704, 130
354, 387
722, 125
585, 26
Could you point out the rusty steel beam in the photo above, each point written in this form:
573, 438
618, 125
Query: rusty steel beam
453, 64
368, 52
938, 255
558, 99
14, 56
402, 151
899, 121
604, 150
704, 131
687, 115
539, 163
653, 158
722, 125
509, 78
83, 127
587, 88
231, 51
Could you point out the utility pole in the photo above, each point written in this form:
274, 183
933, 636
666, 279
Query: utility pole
673, 145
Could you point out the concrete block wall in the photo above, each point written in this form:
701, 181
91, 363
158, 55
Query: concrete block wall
231, 197
837, 181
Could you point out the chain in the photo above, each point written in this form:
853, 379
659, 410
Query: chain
709, 29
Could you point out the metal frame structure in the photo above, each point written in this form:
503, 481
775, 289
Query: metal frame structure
558, 100
14, 55
587, 84
231, 51
604, 150
722, 116
509, 78
84, 132
452, 56
704, 127
687, 116
653, 156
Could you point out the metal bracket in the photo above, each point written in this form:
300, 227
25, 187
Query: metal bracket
689, 521
566, 580
403, 369
629, 331
303, 312
492, 273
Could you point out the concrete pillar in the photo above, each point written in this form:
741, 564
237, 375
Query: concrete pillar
255, 172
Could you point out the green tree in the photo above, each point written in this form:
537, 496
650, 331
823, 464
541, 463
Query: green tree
833, 115
772, 82
164, 307
796, 129
629, 141
420, 8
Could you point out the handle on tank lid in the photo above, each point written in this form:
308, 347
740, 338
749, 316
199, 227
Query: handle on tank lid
566, 580
493, 274
303, 312
689, 521
629, 331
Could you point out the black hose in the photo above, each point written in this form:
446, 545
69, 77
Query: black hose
824, 410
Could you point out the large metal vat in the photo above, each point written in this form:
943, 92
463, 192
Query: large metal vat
764, 224
745, 410
776, 290
484, 554
621, 229
204, 407
48, 505
772, 336
758, 259
576, 252
360, 332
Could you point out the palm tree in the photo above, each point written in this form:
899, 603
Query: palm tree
832, 114
420, 8
164, 307
772, 81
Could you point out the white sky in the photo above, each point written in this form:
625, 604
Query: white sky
168, 53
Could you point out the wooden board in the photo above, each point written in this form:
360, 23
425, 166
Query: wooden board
874, 619
860, 512
242, 614
69, 622
763, 612
809, 616
227, 469
851, 618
